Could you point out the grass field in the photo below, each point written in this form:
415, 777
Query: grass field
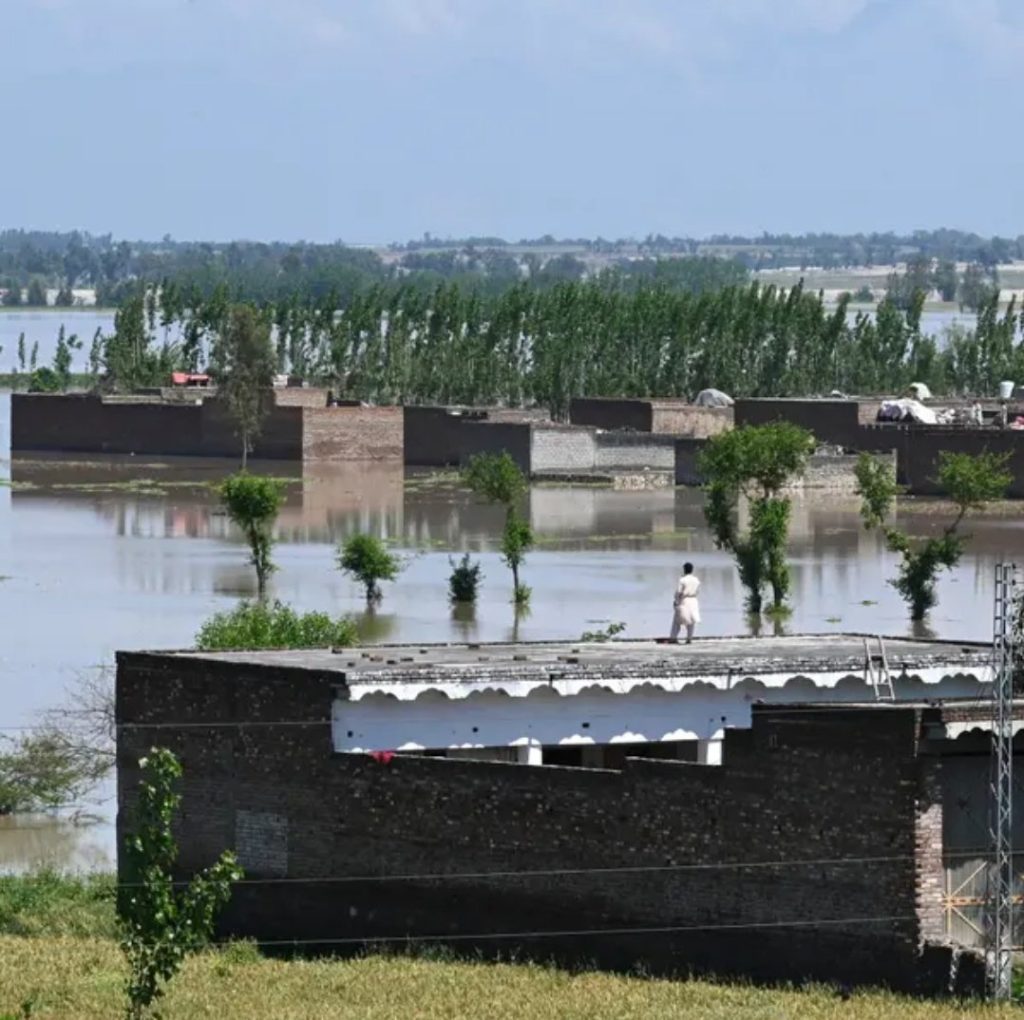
59, 959
68, 977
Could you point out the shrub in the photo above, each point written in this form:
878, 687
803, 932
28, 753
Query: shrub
464, 580
252, 625
44, 380
365, 558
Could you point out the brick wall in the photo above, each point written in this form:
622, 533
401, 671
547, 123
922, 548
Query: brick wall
669, 417
918, 448
798, 787
352, 433
608, 413
300, 396
562, 449
681, 419
84, 423
632, 452
832, 421
496, 437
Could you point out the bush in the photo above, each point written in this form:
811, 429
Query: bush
253, 625
48, 903
464, 580
365, 558
44, 380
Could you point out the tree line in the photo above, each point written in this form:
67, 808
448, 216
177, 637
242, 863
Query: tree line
453, 345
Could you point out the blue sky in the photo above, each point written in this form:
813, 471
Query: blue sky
377, 120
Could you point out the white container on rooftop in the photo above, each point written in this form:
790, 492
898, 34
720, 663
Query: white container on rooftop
1006, 390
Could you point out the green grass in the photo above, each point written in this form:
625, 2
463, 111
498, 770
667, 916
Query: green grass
51, 903
59, 959
78, 978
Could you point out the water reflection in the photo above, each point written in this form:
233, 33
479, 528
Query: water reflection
31, 842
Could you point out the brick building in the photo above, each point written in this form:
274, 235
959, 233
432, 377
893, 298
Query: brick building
564, 801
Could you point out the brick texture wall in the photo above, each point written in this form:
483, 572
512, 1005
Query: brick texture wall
352, 433
680, 419
799, 787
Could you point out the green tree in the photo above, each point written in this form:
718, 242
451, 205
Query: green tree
244, 364
62, 358
755, 464
944, 279
969, 482
977, 287
33, 356
498, 479
12, 294
36, 296
366, 559
21, 352
160, 923
65, 297
43, 770
253, 503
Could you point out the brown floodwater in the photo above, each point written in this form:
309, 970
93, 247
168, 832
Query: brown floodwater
101, 554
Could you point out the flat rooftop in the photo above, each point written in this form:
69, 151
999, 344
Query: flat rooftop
810, 654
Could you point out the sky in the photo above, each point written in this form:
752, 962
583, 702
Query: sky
372, 121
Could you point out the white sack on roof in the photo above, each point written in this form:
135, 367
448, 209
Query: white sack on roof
713, 398
907, 410
919, 391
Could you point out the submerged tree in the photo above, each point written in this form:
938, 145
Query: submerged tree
969, 481
253, 504
243, 364
366, 559
755, 464
498, 479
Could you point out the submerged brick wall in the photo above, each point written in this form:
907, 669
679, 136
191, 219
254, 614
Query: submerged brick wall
800, 787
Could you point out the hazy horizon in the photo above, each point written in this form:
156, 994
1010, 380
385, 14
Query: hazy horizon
373, 121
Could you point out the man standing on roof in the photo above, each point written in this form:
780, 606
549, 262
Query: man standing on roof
686, 608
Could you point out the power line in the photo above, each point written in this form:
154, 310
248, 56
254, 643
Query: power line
581, 932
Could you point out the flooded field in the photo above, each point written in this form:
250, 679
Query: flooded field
106, 554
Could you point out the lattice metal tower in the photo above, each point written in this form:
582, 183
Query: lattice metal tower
1008, 636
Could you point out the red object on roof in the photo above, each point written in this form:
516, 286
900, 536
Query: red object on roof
189, 379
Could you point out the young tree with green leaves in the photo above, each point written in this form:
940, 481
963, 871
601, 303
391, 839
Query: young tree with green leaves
36, 295
161, 924
755, 463
243, 365
968, 481
253, 503
12, 294
498, 479
366, 559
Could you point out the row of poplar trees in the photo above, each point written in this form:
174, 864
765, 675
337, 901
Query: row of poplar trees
525, 346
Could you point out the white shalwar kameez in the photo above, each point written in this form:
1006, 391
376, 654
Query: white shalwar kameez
686, 607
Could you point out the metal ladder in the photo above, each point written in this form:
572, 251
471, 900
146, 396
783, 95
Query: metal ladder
876, 671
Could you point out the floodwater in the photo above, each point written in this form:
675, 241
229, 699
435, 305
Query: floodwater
103, 554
